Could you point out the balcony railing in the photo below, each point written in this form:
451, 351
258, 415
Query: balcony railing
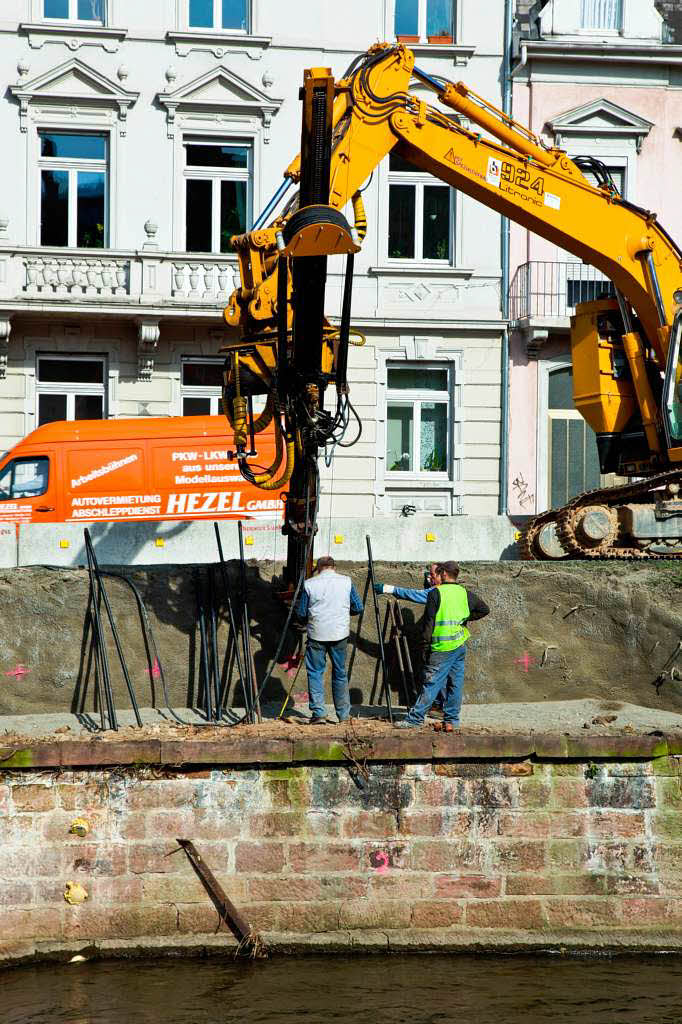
116, 278
549, 290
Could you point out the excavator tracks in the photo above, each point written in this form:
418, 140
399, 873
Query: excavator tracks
606, 499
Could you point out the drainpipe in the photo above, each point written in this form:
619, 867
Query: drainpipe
504, 383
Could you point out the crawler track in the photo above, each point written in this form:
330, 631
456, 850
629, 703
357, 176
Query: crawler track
615, 547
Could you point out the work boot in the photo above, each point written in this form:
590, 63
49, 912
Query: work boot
405, 723
450, 727
317, 720
436, 711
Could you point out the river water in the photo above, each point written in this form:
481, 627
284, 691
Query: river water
422, 989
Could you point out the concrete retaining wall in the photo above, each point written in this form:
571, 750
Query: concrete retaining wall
429, 850
470, 538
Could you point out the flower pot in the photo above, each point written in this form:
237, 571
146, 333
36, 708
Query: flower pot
407, 39
440, 39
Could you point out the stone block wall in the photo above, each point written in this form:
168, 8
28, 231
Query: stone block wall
471, 854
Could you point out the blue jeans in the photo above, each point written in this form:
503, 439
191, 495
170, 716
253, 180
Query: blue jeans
445, 670
315, 660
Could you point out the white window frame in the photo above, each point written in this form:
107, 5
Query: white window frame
72, 390
422, 21
217, 175
419, 180
73, 166
414, 398
72, 17
217, 20
193, 391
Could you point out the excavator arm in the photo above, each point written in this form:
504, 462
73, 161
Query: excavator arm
507, 168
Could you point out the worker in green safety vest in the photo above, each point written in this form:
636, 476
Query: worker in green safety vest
444, 638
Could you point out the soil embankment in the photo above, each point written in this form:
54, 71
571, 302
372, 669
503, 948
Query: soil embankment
555, 632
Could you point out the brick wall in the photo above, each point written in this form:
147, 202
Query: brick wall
451, 853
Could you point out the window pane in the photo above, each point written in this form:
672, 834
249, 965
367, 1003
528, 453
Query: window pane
56, 8
439, 18
201, 13
601, 14
234, 14
232, 211
401, 206
406, 17
54, 208
202, 375
415, 378
399, 420
51, 408
89, 407
558, 467
90, 226
576, 457
71, 371
196, 407
199, 213
91, 10
66, 145
199, 155
6, 482
592, 471
396, 163
617, 176
30, 477
436, 223
560, 394
433, 442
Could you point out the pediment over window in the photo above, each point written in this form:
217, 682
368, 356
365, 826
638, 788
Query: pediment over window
219, 92
76, 84
599, 118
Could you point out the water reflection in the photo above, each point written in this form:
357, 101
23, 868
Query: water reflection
427, 989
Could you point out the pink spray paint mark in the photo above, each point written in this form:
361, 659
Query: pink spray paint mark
19, 672
381, 862
155, 670
526, 660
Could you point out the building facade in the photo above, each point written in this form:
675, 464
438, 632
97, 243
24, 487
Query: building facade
138, 137
601, 78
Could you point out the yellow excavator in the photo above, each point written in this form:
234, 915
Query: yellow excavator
627, 364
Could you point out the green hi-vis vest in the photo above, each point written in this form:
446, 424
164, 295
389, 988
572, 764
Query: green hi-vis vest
448, 632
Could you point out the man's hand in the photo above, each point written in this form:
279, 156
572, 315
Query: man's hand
383, 588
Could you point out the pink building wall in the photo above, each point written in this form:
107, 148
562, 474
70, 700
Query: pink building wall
657, 188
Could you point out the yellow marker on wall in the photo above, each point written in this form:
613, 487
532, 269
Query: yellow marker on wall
338, 538
65, 543
430, 537
248, 540
160, 542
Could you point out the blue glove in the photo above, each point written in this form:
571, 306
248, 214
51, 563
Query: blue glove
378, 588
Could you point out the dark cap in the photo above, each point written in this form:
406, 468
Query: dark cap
449, 568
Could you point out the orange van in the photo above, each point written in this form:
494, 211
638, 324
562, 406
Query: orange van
127, 470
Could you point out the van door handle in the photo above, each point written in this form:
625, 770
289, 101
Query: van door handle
44, 508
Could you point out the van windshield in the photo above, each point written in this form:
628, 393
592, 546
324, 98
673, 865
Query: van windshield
24, 478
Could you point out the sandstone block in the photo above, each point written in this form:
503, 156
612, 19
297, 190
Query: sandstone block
36, 798
319, 858
436, 913
523, 914
454, 887
416, 823
370, 825
510, 856
310, 917
616, 824
442, 855
258, 858
370, 914
555, 885
586, 912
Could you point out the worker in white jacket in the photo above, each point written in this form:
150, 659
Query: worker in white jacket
327, 602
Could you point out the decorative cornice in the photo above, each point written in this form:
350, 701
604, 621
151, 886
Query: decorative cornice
103, 91
218, 43
576, 122
241, 98
73, 36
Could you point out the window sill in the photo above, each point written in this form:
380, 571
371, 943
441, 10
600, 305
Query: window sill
417, 269
460, 54
73, 34
218, 43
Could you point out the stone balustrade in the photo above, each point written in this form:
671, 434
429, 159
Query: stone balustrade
64, 275
126, 279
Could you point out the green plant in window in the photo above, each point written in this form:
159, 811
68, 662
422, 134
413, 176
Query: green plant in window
442, 250
435, 462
